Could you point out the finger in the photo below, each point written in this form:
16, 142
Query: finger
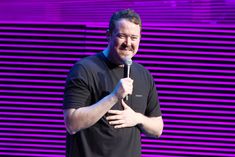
128, 90
114, 112
125, 106
130, 83
131, 90
129, 80
119, 126
116, 122
115, 117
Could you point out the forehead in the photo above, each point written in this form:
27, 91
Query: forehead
125, 26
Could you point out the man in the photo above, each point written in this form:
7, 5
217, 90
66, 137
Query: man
100, 123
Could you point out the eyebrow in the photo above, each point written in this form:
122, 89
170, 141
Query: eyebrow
132, 35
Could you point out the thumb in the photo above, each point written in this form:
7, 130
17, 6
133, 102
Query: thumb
125, 106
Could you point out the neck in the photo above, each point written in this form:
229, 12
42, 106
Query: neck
109, 56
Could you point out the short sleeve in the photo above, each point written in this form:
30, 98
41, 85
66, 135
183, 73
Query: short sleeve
153, 106
76, 92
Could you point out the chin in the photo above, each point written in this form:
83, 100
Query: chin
126, 54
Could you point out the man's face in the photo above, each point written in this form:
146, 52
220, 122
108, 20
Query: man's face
124, 41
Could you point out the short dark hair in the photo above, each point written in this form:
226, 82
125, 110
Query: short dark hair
128, 14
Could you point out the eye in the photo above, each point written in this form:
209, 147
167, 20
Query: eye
134, 37
122, 36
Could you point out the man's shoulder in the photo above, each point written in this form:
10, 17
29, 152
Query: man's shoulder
140, 68
89, 59
90, 62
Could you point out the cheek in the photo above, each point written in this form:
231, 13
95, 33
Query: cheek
136, 45
114, 42
118, 43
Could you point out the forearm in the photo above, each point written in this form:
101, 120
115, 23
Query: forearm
85, 117
151, 125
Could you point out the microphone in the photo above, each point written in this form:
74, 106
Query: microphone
128, 63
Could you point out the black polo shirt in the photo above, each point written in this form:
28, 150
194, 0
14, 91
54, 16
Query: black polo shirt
89, 81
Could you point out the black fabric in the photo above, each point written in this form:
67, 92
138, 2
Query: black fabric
89, 81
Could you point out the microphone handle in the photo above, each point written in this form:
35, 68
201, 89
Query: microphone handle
128, 71
128, 76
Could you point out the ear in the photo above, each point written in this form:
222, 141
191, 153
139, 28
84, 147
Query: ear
108, 35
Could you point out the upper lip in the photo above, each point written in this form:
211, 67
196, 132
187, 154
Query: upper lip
127, 49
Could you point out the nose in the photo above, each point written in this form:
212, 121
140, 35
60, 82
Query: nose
128, 41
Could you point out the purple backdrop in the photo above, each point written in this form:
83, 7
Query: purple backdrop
188, 46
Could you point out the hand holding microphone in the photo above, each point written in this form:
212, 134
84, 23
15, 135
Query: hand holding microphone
128, 63
125, 85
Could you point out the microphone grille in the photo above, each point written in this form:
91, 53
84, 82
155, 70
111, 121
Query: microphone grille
128, 61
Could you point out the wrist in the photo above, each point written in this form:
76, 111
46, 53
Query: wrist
139, 118
116, 96
113, 98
